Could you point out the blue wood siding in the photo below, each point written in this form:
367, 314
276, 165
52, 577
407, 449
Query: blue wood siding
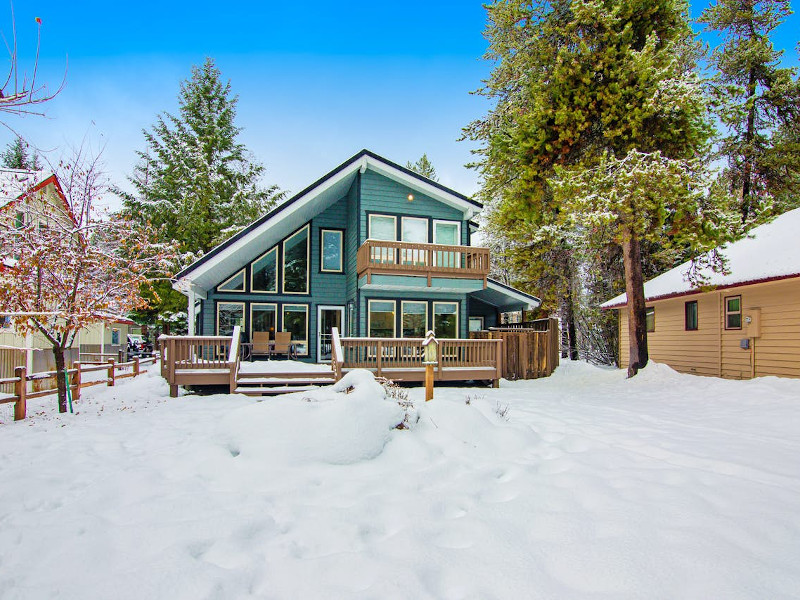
481, 309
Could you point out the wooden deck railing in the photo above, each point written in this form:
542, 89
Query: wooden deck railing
429, 260
217, 355
21, 378
401, 358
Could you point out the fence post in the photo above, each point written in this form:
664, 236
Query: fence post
498, 357
21, 385
76, 381
111, 376
135, 366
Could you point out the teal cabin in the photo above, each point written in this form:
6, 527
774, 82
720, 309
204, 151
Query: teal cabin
371, 248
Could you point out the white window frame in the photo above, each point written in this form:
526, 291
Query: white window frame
458, 316
221, 287
322, 233
307, 228
402, 312
220, 303
369, 315
482, 319
262, 304
369, 231
427, 228
283, 325
447, 222
252, 272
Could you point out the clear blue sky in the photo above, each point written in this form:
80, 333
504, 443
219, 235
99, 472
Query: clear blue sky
317, 81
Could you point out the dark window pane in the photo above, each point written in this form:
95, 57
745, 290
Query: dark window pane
234, 284
734, 321
295, 262
295, 320
414, 319
734, 304
650, 319
445, 320
691, 316
381, 319
265, 272
229, 315
264, 319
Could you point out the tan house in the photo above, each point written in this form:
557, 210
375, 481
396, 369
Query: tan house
739, 325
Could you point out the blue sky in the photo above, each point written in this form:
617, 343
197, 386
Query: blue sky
317, 81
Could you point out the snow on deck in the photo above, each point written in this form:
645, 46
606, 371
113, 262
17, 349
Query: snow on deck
282, 366
591, 486
772, 250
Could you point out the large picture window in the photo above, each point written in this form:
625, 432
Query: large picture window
445, 319
229, 314
415, 319
295, 263
264, 317
264, 276
733, 312
295, 321
381, 321
331, 241
234, 284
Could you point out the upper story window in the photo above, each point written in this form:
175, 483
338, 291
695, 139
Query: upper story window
414, 229
733, 312
331, 243
264, 274
690, 310
447, 232
650, 319
382, 227
295, 262
234, 284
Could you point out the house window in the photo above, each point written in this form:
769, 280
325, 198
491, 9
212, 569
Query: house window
690, 309
114, 336
445, 319
229, 315
380, 318
5, 321
414, 230
331, 250
295, 263
448, 233
415, 319
264, 273
650, 319
263, 317
733, 312
234, 284
295, 321
383, 228
476, 323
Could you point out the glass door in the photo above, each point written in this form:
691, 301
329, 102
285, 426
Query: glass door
328, 317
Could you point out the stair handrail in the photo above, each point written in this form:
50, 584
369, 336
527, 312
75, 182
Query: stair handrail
233, 356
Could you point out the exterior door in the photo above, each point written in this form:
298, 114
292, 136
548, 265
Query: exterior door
328, 317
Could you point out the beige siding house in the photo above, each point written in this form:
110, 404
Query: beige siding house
740, 325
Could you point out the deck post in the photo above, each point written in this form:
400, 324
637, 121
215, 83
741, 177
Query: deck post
135, 366
379, 359
21, 385
111, 376
498, 354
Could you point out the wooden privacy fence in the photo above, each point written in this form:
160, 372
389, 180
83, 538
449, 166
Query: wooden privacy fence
21, 378
9, 359
528, 353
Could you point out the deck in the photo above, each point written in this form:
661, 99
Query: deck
215, 360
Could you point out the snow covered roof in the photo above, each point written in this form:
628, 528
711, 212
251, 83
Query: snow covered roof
15, 182
771, 251
249, 243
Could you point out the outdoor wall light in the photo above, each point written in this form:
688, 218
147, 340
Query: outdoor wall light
411, 197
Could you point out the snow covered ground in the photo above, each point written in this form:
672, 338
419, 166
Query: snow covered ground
590, 486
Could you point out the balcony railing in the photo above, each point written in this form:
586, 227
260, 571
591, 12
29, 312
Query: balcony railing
427, 260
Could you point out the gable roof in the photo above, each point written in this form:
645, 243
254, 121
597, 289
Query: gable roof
770, 252
297, 210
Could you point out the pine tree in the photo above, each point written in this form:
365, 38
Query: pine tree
758, 103
598, 121
423, 167
194, 181
16, 156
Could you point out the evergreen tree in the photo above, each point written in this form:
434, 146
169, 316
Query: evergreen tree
16, 156
598, 118
194, 181
423, 167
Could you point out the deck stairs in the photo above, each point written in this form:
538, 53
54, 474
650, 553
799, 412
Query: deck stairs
271, 384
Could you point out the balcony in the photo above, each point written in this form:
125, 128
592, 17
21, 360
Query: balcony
422, 260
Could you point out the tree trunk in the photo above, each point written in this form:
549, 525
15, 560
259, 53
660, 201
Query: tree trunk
637, 311
570, 318
61, 379
749, 135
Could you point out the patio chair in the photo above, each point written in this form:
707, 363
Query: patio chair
283, 343
260, 343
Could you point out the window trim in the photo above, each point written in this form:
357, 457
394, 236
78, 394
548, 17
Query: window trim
251, 329
283, 324
457, 313
369, 316
221, 287
483, 322
686, 306
738, 312
307, 228
252, 273
322, 232
369, 226
402, 313
447, 221
646, 311
220, 303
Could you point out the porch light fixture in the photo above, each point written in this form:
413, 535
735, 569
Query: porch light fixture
411, 197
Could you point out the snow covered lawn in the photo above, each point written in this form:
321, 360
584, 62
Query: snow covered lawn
665, 486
